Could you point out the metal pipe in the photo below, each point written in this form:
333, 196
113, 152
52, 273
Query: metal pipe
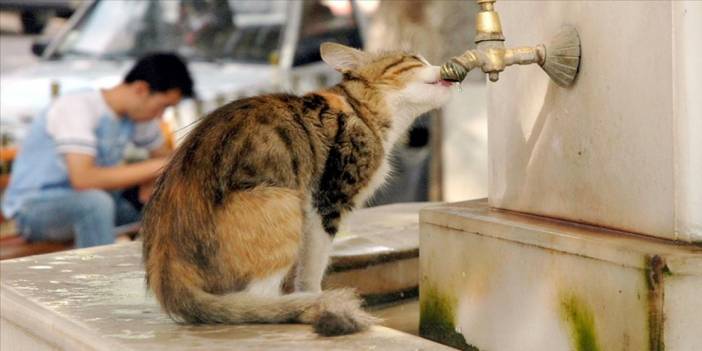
561, 62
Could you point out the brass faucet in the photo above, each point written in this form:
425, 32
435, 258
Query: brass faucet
560, 59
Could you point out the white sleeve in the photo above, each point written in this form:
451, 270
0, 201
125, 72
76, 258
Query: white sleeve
72, 123
148, 135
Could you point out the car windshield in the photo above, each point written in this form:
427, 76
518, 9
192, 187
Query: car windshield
240, 30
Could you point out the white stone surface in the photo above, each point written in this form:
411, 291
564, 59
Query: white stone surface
402, 316
520, 282
96, 299
687, 70
683, 313
621, 148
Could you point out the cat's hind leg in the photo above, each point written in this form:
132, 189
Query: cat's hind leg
268, 286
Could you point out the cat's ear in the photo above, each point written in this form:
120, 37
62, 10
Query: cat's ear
342, 58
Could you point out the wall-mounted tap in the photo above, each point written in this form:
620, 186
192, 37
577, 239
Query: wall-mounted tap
560, 59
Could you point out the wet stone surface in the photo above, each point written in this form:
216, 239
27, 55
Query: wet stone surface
97, 296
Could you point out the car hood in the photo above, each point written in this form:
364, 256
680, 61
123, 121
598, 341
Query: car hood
26, 91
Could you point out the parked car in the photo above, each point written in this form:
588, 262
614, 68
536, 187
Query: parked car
235, 48
35, 13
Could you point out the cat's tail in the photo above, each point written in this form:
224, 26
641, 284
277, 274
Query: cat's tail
330, 312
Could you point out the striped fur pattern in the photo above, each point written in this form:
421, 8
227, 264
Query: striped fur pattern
261, 185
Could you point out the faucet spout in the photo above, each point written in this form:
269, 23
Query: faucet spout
560, 62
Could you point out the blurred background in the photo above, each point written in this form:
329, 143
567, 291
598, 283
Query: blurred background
239, 48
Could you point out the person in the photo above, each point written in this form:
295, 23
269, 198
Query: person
68, 177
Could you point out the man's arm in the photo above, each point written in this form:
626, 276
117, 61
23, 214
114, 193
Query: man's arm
84, 174
146, 189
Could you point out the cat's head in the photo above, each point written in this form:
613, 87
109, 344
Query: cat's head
409, 84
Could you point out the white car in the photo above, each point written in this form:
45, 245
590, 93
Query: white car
234, 48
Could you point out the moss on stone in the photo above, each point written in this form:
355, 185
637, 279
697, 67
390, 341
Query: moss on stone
436, 319
581, 323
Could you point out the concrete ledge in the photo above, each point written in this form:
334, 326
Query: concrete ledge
501, 280
624, 248
95, 299
31, 326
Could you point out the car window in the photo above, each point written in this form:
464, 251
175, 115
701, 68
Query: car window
240, 30
325, 20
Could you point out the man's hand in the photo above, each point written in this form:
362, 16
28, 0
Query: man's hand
84, 174
145, 191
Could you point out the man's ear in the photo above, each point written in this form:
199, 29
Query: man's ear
342, 58
141, 87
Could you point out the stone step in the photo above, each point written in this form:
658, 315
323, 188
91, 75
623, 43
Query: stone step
500, 280
377, 252
95, 299
402, 315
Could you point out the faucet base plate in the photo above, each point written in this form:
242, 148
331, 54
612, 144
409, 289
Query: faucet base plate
562, 60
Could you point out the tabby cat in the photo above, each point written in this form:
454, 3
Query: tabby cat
261, 185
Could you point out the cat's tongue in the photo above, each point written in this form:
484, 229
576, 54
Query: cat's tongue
443, 83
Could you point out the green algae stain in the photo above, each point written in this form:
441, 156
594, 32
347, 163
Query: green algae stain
436, 319
581, 324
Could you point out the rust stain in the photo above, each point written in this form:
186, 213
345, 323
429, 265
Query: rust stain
655, 273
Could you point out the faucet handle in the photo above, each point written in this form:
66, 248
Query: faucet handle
486, 5
487, 23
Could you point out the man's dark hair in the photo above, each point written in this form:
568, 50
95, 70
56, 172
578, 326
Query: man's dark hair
163, 72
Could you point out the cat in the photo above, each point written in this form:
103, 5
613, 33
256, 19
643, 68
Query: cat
261, 185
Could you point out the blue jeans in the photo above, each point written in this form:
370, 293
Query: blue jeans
89, 217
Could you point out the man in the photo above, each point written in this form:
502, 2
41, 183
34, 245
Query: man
66, 179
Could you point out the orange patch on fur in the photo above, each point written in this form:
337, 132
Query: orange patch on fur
186, 276
260, 231
335, 101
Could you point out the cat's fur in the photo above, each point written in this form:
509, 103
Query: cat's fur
261, 185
